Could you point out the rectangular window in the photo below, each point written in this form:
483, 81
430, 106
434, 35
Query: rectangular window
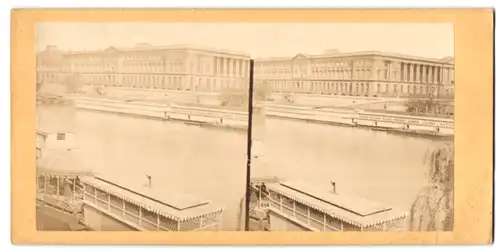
61, 136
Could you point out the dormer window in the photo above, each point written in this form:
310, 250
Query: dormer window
61, 136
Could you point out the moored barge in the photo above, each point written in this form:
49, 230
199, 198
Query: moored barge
294, 206
69, 192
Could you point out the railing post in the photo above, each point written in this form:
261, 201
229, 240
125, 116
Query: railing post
294, 209
140, 216
308, 216
95, 195
157, 221
109, 201
341, 226
281, 203
324, 221
179, 225
201, 221
123, 208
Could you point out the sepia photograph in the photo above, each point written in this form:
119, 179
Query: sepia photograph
245, 126
139, 129
353, 129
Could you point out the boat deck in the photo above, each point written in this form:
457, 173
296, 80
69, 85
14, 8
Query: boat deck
175, 205
348, 208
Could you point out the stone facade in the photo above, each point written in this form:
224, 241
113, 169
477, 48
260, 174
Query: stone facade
146, 67
191, 68
358, 74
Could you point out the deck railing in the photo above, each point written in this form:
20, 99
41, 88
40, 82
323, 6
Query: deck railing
313, 219
144, 219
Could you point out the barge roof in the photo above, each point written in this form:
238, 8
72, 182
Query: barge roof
351, 209
172, 205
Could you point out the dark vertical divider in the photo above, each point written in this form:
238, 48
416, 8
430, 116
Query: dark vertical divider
248, 189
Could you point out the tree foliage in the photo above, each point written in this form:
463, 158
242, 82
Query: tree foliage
233, 98
432, 210
261, 91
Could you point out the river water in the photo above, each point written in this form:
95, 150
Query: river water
211, 163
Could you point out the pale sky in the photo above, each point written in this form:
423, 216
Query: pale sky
433, 40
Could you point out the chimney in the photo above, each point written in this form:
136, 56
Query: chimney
149, 180
334, 187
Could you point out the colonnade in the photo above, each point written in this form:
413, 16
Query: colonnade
231, 67
428, 74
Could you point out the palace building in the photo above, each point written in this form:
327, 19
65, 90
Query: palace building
146, 66
368, 73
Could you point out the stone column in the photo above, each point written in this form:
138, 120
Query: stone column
231, 67
446, 75
450, 75
243, 64
425, 75
407, 72
441, 75
226, 61
219, 66
419, 68
245, 68
390, 70
402, 72
436, 74
215, 66
422, 75
240, 68
412, 71
237, 68
222, 62
432, 75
